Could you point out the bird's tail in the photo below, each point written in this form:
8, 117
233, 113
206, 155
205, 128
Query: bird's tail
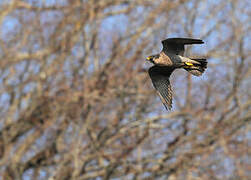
196, 66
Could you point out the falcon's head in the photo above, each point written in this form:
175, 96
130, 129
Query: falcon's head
152, 58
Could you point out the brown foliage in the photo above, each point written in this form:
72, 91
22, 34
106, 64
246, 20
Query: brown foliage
76, 101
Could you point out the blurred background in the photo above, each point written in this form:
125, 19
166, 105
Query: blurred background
76, 101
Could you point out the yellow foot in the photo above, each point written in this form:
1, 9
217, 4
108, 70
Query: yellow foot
188, 63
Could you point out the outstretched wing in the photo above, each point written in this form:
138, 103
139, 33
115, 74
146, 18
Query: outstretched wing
176, 45
160, 79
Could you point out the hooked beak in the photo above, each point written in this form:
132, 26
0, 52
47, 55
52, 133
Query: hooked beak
150, 58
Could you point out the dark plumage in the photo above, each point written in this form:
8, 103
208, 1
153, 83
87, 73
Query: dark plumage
170, 58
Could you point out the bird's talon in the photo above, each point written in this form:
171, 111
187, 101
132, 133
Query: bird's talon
188, 63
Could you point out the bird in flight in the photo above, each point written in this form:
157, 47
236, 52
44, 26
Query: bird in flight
170, 58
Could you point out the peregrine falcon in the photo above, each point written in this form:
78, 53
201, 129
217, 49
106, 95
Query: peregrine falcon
170, 58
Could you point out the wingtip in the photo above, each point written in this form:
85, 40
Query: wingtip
197, 41
201, 41
168, 108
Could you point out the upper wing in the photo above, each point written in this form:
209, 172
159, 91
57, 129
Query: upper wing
160, 79
176, 45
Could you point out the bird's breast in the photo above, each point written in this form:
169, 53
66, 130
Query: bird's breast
164, 60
